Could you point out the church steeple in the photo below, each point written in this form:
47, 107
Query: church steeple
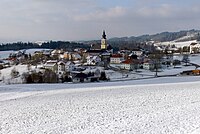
103, 41
104, 34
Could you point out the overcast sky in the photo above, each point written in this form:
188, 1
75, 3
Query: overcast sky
32, 20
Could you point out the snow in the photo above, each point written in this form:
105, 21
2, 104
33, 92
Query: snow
5, 54
145, 105
6, 73
160, 105
177, 44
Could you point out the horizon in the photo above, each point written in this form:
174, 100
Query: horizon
34, 41
33, 20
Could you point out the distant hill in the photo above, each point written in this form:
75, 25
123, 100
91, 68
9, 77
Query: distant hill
117, 42
186, 35
133, 41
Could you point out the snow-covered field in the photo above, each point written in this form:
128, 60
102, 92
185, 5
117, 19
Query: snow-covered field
5, 54
151, 106
177, 44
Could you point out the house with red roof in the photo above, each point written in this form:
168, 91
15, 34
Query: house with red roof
130, 64
116, 59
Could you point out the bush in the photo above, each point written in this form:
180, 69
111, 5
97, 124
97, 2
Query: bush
14, 73
103, 76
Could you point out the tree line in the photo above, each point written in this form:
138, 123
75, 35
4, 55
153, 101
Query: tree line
47, 45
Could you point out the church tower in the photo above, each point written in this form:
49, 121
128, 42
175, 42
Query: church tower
103, 41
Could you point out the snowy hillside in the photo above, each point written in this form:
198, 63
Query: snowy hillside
177, 44
114, 107
5, 54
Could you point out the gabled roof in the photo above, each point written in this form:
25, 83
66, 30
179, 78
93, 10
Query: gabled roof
193, 43
116, 56
130, 61
61, 63
69, 63
49, 64
52, 61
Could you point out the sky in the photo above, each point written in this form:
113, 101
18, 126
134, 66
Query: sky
41, 20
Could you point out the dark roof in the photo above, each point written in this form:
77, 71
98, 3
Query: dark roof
116, 56
81, 75
109, 47
193, 43
130, 61
95, 47
95, 51
136, 49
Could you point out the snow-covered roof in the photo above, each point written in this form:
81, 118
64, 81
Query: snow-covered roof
52, 61
69, 63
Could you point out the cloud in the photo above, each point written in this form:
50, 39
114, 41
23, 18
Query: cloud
102, 14
85, 19
164, 10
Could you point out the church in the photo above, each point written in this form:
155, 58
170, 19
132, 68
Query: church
103, 50
104, 47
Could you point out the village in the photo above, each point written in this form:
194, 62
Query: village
99, 62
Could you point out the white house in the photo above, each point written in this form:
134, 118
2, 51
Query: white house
194, 48
130, 64
116, 59
61, 68
93, 60
137, 52
76, 56
52, 65
69, 66
57, 52
148, 65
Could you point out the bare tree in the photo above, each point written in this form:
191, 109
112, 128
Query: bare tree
186, 59
156, 57
29, 67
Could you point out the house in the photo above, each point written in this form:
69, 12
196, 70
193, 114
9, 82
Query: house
80, 77
69, 66
52, 65
47, 52
116, 59
194, 48
130, 64
105, 58
57, 52
93, 60
151, 64
80, 50
67, 55
137, 52
76, 56
124, 53
188, 72
132, 56
148, 65
61, 69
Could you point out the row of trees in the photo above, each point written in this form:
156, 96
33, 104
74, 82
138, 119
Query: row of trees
49, 45
47, 76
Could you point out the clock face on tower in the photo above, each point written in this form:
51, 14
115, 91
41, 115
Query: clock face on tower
103, 42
